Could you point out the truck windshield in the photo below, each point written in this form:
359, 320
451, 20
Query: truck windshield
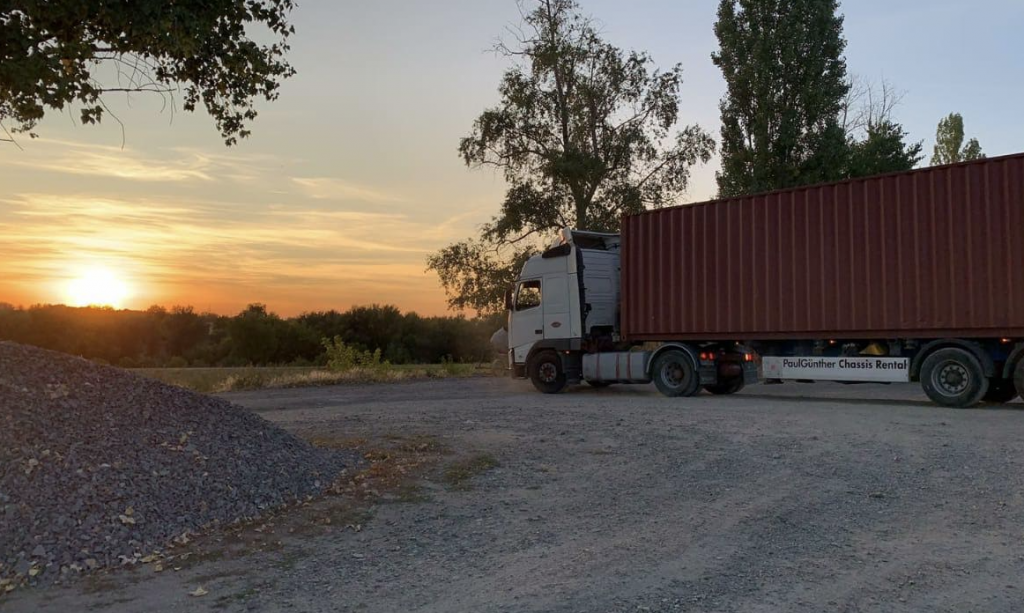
528, 295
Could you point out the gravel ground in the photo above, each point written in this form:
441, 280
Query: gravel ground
781, 498
99, 467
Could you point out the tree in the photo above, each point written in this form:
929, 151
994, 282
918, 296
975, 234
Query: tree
58, 53
949, 142
867, 104
883, 150
475, 274
786, 83
583, 134
183, 331
876, 141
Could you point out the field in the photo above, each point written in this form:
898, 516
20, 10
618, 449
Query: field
216, 380
482, 495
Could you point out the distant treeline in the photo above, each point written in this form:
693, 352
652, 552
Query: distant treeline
181, 337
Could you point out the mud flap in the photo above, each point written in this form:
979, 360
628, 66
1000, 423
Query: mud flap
749, 373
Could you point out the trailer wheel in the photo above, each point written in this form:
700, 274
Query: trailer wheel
953, 377
1018, 378
675, 375
724, 388
546, 374
1000, 391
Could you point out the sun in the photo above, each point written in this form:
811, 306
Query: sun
97, 287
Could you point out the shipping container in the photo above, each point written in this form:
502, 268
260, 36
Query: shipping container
931, 253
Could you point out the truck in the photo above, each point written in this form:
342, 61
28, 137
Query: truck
906, 277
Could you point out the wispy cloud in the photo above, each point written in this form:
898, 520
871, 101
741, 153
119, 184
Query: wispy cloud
178, 164
104, 162
330, 188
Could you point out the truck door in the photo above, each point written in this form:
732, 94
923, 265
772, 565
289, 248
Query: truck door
526, 325
557, 322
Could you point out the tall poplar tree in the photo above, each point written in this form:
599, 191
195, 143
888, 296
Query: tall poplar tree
786, 77
949, 142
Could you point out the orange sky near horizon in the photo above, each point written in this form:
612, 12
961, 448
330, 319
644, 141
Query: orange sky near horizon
162, 228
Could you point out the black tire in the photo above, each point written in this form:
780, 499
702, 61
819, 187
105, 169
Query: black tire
598, 384
546, 374
675, 375
1000, 391
724, 388
1018, 378
954, 378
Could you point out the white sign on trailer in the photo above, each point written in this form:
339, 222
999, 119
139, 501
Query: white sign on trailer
855, 368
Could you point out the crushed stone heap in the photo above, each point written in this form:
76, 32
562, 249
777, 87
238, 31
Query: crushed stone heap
97, 463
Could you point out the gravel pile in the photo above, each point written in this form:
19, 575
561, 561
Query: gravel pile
99, 466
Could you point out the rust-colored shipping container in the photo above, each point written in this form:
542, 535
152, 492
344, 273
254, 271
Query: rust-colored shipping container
930, 253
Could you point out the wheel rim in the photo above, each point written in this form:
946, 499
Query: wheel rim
951, 378
673, 374
548, 372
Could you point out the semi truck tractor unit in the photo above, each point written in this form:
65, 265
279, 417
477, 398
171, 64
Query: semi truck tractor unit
914, 276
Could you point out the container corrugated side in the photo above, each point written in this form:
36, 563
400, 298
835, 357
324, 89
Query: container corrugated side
928, 253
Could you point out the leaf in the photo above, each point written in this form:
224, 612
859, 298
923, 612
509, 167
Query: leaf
35, 570
199, 591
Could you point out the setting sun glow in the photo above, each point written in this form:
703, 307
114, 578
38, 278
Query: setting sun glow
97, 287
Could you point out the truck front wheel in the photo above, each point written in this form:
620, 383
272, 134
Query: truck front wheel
675, 375
953, 378
546, 374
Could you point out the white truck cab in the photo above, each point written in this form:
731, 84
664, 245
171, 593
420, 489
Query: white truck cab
553, 299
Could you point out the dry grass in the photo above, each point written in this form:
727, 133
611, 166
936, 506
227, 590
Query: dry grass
216, 380
458, 474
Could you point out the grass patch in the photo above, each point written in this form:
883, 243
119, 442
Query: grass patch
238, 597
220, 574
100, 584
216, 380
458, 474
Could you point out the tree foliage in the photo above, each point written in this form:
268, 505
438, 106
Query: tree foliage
58, 53
584, 132
256, 336
883, 150
476, 273
949, 142
786, 83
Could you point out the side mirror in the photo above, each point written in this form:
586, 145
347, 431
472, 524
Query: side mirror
508, 299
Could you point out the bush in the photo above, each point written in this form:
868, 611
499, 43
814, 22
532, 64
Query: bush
342, 357
177, 362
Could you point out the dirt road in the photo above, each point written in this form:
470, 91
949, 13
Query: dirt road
781, 498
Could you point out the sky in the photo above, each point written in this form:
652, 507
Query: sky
351, 179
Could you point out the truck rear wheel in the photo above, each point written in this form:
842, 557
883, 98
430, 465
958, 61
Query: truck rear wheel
674, 374
546, 374
1000, 391
726, 386
953, 377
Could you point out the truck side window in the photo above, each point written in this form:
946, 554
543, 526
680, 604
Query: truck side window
528, 295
